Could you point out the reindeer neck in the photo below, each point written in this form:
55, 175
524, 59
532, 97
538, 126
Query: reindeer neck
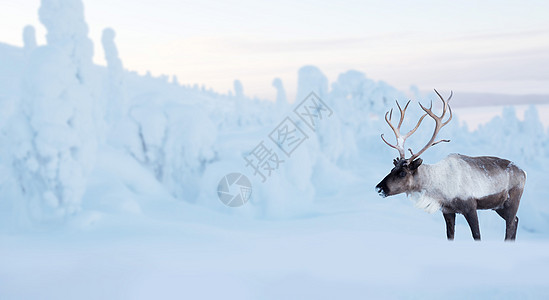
424, 175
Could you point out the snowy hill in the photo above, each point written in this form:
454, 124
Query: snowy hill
110, 178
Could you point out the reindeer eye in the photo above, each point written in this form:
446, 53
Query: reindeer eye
402, 174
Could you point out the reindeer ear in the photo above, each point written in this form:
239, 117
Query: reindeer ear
395, 162
416, 163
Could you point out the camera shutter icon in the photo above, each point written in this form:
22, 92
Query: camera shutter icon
234, 189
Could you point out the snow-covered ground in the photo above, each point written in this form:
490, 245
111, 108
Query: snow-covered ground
108, 187
371, 252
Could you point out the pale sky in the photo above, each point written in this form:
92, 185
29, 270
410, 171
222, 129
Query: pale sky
468, 46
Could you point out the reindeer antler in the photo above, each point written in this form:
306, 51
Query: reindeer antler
438, 122
399, 137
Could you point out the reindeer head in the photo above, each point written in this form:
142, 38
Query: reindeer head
402, 177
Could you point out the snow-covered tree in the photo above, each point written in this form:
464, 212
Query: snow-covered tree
29, 39
281, 99
115, 86
311, 79
58, 115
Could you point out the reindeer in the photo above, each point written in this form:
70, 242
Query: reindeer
456, 184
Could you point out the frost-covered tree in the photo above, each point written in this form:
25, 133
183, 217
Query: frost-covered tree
280, 91
67, 32
281, 99
29, 39
239, 96
531, 137
175, 142
115, 86
57, 144
311, 79
497, 137
238, 89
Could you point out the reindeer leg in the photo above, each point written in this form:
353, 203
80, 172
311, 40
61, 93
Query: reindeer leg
511, 222
450, 219
509, 213
472, 218
515, 227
